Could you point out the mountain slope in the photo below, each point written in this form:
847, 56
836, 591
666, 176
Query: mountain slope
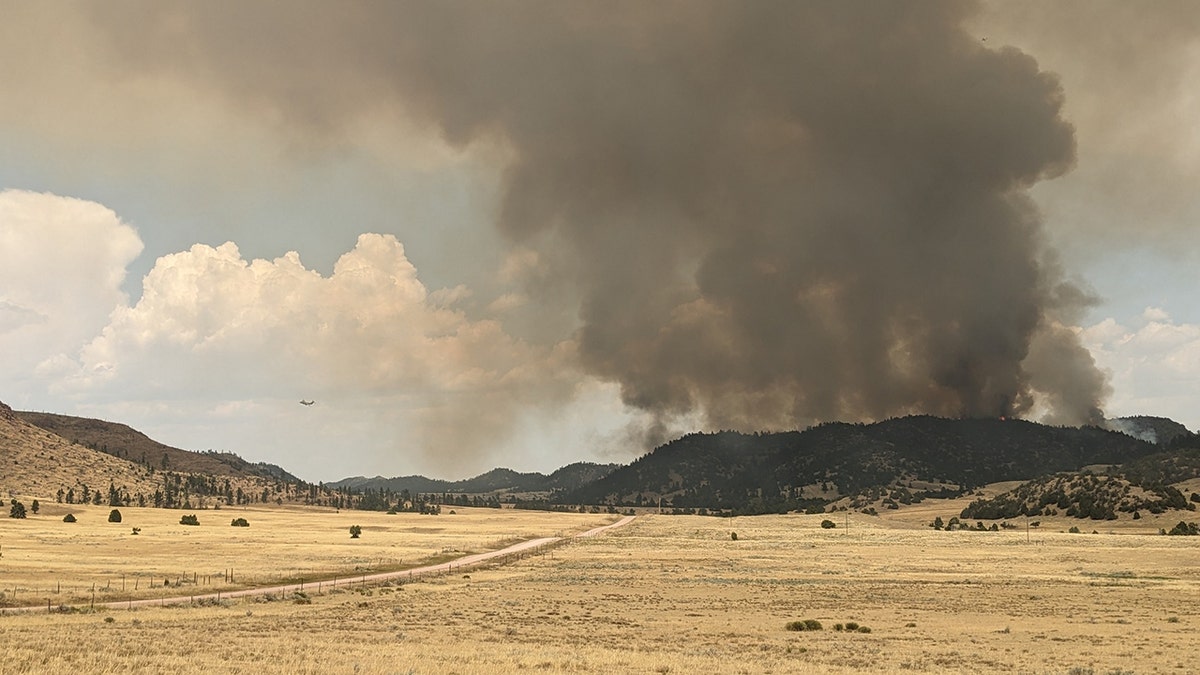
120, 440
780, 471
1158, 430
38, 462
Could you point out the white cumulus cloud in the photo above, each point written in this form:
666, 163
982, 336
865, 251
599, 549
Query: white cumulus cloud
1154, 364
225, 337
62, 263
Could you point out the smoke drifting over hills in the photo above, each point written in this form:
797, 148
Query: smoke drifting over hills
769, 212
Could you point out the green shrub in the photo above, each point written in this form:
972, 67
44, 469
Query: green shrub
864, 629
828, 524
733, 536
806, 624
189, 519
1186, 529
355, 531
114, 516
851, 626
69, 518
240, 522
1073, 530
17, 510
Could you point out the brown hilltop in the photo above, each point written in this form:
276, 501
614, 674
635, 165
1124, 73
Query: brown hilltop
42, 453
120, 440
37, 463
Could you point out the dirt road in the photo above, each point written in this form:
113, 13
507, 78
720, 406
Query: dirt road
465, 562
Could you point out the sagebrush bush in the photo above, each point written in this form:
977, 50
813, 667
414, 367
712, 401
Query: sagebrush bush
240, 522
189, 519
806, 624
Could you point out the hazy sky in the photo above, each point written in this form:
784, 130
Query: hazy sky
528, 233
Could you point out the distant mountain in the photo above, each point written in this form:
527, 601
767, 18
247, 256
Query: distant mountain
569, 477
794, 470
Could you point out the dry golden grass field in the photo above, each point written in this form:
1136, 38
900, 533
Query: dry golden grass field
666, 594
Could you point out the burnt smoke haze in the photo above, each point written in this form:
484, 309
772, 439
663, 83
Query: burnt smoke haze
770, 213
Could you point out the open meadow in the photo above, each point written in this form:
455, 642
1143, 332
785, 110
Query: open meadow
663, 594
44, 559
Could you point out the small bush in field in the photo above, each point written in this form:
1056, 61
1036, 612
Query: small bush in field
355, 531
114, 516
69, 518
807, 624
189, 519
828, 524
240, 522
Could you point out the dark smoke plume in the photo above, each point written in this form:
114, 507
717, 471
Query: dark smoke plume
771, 212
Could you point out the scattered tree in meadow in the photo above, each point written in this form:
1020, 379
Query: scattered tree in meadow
17, 510
240, 522
355, 530
114, 516
828, 524
69, 518
189, 519
35, 506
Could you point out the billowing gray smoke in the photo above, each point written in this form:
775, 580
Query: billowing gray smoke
771, 212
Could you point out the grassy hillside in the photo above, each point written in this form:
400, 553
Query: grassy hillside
37, 463
121, 441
